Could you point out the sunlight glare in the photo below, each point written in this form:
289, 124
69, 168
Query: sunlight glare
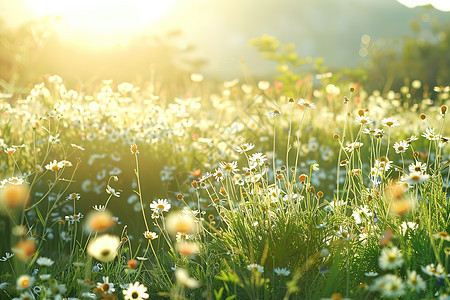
102, 21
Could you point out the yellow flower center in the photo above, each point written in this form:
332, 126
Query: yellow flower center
415, 177
391, 258
25, 283
105, 252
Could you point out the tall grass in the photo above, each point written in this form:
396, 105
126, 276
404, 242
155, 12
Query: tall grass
234, 218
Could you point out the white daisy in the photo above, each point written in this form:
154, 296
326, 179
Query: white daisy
76, 147
418, 167
106, 286
24, 282
53, 166
401, 147
219, 174
432, 270
7, 256
430, 135
228, 168
73, 196
274, 113
352, 146
390, 258
99, 207
244, 148
390, 286
363, 120
258, 158
390, 122
112, 191
44, 261
282, 271
64, 163
255, 268
160, 206
415, 178
361, 213
25, 296
412, 138
415, 281
135, 291
74, 218
104, 248
150, 235
383, 164
306, 103
10, 151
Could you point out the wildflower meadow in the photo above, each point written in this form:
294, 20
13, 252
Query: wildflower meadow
308, 185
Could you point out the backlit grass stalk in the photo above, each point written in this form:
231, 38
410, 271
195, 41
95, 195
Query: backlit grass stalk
139, 189
298, 141
346, 102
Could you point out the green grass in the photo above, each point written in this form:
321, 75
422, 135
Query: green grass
296, 208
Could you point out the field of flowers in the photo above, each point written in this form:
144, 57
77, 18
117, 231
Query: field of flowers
231, 190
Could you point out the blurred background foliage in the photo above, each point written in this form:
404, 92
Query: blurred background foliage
33, 50
390, 63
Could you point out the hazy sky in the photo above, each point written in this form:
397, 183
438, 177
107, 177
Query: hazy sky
221, 29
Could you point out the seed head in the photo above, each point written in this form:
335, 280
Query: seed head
134, 149
194, 184
302, 177
132, 263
